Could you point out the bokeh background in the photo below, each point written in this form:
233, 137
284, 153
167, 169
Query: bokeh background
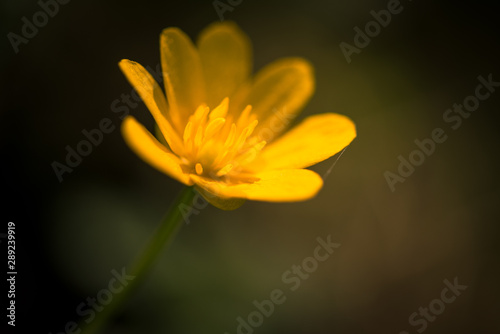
397, 247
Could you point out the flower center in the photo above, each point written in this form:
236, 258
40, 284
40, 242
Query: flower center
217, 145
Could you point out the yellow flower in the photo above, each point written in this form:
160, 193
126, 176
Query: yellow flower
224, 131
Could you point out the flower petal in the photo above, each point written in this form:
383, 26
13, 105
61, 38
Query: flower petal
145, 145
288, 185
183, 75
225, 53
221, 203
316, 139
279, 92
150, 92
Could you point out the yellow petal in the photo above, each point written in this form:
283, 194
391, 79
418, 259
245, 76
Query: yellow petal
221, 203
225, 53
150, 92
316, 139
288, 185
143, 143
183, 75
279, 92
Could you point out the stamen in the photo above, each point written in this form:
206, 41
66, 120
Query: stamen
250, 154
199, 169
244, 116
187, 132
198, 137
200, 111
244, 135
230, 136
260, 146
220, 110
220, 144
213, 127
220, 158
252, 126
226, 169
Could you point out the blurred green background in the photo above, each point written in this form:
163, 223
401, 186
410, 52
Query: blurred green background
397, 247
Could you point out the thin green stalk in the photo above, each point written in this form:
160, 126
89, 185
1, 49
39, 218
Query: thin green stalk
143, 263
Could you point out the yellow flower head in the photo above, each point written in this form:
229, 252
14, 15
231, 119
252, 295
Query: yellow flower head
224, 131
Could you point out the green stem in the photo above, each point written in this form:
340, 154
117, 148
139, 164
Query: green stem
138, 269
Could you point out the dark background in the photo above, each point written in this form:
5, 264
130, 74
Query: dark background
397, 247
